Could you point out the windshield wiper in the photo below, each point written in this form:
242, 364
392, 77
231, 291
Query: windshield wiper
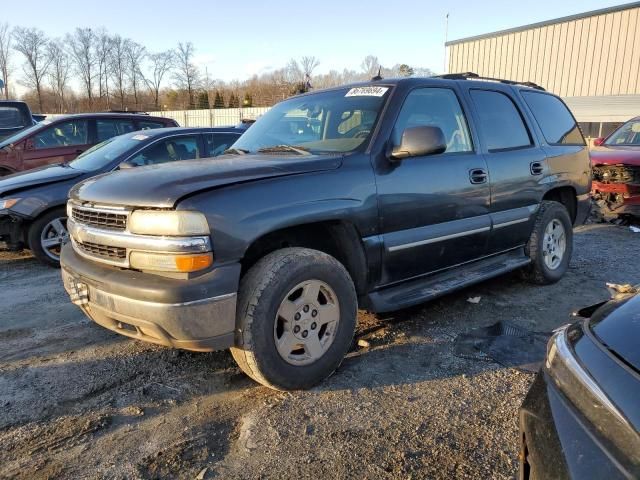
235, 151
284, 148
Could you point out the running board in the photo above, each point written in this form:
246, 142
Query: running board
427, 288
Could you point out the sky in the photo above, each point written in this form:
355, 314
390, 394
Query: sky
236, 39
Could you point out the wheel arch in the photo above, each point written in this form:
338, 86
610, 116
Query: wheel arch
338, 238
567, 196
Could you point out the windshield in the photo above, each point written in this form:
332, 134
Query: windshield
23, 133
336, 121
627, 134
11, 117
102, 154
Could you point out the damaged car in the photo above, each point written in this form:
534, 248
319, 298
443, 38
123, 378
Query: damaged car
581, 417
616, 171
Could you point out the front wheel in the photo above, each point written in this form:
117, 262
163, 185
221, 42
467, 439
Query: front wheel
550, 245
47, 235
297, 313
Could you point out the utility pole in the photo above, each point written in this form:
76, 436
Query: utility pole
446, 34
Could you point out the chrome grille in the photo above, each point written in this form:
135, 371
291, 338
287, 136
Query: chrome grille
100, 219
114, 253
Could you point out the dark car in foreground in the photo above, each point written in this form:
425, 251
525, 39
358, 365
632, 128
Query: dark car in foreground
14, 117
32, 204
379, 195
616, 170
64, 138
581, 418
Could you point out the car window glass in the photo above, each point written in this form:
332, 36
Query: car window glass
219, 142
435, 107
11, 117
555, 120
627, 134
148, 125
62, 134
501, 124
169, 150
111, 127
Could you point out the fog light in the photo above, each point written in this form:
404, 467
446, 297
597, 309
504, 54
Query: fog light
166, 262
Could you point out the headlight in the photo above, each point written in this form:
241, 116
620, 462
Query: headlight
8, 203
169, 222
167, 262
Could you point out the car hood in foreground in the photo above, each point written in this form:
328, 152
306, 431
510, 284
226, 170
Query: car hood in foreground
37, 178
161, 186
606, 155
617, 326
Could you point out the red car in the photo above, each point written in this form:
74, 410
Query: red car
64, 138
616, 170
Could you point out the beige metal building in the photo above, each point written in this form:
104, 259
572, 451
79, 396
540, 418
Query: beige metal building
592, 60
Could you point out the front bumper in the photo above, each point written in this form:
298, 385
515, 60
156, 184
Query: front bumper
557, 441
11, 232
197, 314
619, 198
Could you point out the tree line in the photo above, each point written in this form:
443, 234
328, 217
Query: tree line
116, 73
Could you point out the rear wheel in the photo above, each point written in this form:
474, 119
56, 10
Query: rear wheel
296, 313
47, 235
550, 245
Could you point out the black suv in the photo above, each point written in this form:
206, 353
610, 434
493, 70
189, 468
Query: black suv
379, 196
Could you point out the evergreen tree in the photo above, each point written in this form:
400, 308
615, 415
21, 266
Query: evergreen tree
248, 100
203, 100
219, 100
234, 101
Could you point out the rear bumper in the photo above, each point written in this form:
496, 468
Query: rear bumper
196, 314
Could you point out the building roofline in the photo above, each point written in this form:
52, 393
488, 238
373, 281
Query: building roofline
592, 13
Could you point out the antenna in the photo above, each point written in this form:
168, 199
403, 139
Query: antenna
378, 76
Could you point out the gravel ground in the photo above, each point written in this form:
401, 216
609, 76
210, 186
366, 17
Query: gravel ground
81, 402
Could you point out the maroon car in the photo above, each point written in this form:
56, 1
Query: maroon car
64, 138
616, 170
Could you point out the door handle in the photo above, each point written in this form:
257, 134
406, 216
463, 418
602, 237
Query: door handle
478, 175
536, 168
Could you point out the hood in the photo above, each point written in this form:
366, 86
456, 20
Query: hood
161, 186
36, 178
617, 326
612, 155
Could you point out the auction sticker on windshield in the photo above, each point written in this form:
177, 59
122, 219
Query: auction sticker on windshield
367, 92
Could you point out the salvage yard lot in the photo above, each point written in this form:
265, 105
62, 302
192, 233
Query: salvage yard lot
78, 401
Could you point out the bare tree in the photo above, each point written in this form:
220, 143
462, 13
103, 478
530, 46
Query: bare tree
187, 74
59, 71
118, 66
5, 53
308, 65
102, 48
161, 64
370, 65
81, 44
32, 43
134, 54
293, 73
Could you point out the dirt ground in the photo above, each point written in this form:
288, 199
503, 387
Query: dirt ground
77, 401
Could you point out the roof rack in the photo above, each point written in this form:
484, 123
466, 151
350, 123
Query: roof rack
475, 76
135, 112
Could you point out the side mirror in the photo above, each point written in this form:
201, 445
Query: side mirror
29, 145
126, 165
419, 142
598, 141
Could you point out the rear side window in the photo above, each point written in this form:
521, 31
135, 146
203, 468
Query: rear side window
149, 125
110, 127
219, 142
555, 120
501, 123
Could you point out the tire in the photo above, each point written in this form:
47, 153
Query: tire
540, 271
268, 296
37, 229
